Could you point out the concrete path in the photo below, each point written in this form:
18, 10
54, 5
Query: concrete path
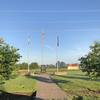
48, 90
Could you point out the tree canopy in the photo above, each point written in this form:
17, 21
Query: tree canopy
61, 64
22, 66
90, 63
8, 58
34, 65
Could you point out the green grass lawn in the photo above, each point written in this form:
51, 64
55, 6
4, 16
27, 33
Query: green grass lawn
20, 84
49, 70
77, 83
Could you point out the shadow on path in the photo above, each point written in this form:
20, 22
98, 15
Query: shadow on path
42, 79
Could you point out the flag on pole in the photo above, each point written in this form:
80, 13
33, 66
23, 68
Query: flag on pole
57, 41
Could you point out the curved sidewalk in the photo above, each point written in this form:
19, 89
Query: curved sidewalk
48, 90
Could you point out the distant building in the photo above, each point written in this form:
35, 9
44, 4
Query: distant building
73, 66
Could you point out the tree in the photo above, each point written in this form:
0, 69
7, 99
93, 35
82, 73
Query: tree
34, 65
8, 58
51, 66
63, 64
91, 62
1, 41
23, 65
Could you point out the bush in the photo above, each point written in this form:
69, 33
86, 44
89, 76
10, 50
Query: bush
1, 79
14, 74
77, 98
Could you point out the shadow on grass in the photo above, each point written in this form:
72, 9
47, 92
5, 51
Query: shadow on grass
10, 96
46, 80
41, 79
77, 74
1, 83
76, 77
2, 87
38, 98
60, 81
82, 77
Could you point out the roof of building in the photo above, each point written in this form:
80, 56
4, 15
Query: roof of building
73, 65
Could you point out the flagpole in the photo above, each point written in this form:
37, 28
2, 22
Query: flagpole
57, 45
57, 58
28, 43
42, 49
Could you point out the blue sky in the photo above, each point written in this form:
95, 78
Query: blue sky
77, 22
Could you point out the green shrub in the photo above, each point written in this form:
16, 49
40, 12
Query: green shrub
77, 98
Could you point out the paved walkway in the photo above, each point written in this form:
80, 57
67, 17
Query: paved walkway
48, 90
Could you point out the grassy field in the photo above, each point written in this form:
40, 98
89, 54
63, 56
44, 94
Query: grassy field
21, 84
77, 83
74, 83
49, 70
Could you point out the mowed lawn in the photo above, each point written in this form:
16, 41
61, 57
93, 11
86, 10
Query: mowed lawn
21, 84
77, 83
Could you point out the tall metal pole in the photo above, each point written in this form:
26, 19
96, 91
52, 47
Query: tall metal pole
57, 45
57, 58
42, 49
28, 42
